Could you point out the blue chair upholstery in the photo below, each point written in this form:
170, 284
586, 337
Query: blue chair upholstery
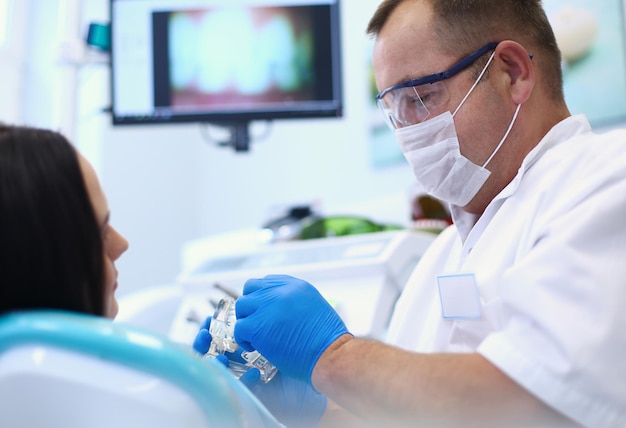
68, 369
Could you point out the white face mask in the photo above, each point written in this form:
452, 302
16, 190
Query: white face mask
432, 150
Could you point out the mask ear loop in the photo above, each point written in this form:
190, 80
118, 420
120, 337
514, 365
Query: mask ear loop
480, 76
506, 134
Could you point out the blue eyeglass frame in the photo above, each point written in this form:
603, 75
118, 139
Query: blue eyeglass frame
437, 77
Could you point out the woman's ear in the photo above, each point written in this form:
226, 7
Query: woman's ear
518, 66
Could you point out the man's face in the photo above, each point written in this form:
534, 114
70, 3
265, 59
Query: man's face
407, 48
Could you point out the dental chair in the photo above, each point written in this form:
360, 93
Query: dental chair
63, 369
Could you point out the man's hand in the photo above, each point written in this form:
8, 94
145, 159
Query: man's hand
293, 402
288, 321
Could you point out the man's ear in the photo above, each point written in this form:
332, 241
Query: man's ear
517, 64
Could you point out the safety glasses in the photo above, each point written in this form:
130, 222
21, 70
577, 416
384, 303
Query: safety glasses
413, 101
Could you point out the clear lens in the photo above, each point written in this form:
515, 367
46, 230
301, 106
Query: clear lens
414, 104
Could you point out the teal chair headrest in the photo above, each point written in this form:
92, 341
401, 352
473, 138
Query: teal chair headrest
224, 400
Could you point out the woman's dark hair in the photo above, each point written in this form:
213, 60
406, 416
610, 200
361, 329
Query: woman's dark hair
51, 251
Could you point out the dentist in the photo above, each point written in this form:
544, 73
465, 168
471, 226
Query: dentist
515, 314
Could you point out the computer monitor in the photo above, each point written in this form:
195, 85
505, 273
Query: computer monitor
225, 62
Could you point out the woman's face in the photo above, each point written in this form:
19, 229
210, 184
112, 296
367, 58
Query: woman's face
114, 243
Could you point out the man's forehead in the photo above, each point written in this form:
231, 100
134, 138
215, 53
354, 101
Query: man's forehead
409, 16
393, 65
406, 47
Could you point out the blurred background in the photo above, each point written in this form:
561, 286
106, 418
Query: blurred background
169, 184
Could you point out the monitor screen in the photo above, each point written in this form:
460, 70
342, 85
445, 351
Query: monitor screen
224, 61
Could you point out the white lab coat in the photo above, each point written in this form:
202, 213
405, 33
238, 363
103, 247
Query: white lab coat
549, 260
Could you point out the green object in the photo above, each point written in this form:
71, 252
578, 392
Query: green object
341, 226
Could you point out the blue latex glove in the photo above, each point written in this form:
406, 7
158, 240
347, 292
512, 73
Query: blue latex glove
291, 401
202, 342
288, 321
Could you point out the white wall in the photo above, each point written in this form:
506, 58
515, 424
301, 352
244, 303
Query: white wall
12, 58
166, 185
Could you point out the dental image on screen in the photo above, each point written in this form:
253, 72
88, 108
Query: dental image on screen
224, 61
237, 56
